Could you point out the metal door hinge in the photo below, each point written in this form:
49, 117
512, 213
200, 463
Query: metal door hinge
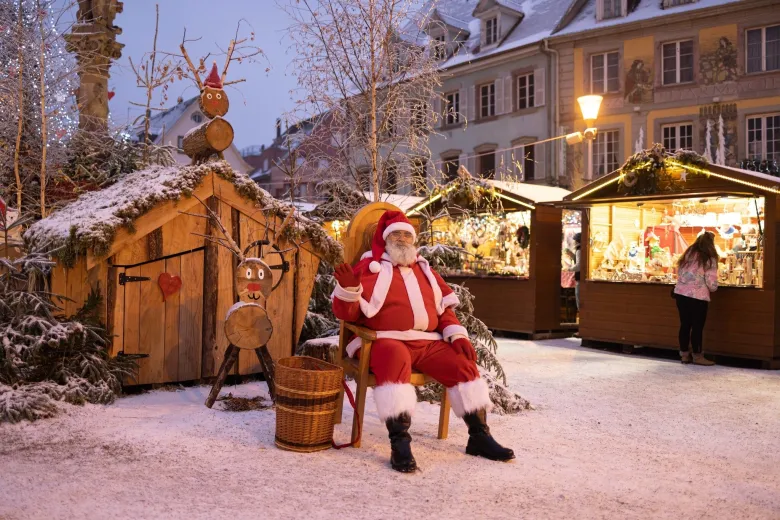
123, 278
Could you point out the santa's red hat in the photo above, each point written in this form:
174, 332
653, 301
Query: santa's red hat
213, 81
390, 221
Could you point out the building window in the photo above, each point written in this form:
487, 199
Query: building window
180, 142
678, 62
452, 108
265, 164
439, 47
389, 182
450, 167
418, 116
763, 49
763, 137
605, 152
487, 100
491, 31
487, 164
611, 9
529, 162
678, 136
419, 176
390, 125
197, 117
604, 73
525, 91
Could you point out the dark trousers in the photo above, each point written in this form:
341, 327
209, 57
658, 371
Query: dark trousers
693, 314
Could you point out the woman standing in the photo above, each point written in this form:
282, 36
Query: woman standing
697, 277
576, 267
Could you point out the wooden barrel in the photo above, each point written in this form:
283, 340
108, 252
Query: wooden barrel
307, 391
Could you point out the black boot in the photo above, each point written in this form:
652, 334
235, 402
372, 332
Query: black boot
401, 458
481, 443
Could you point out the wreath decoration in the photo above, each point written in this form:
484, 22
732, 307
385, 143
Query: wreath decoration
646, 173
523, 237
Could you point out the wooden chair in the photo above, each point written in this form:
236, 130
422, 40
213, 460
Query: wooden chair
357, 240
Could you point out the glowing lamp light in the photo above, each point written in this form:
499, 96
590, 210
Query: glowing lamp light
589, 105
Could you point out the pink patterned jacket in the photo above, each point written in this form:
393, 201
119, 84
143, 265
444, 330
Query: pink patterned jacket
695, 282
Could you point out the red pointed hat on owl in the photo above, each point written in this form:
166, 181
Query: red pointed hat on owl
213, 81
390, 221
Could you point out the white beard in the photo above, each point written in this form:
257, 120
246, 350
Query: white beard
401, 255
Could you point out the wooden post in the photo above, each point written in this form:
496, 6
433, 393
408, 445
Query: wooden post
268, 369
210, 287
231, 354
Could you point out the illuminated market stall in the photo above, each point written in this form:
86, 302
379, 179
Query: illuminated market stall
640, 219
511, 248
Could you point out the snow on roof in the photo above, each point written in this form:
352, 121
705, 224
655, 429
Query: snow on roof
91, 222
164, 121
586, 19
541, 17
757, 175
403, 202
534, 192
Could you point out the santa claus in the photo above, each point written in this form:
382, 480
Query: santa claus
393, 291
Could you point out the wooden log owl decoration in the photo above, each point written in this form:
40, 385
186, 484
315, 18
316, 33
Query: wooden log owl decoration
215, 135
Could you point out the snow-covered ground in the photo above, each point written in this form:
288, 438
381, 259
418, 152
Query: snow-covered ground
613, 436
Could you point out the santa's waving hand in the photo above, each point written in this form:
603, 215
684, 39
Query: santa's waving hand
393, 291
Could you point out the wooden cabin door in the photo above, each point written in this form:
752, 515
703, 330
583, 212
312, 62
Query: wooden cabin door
168, 329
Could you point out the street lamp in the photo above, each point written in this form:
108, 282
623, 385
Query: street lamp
589, 105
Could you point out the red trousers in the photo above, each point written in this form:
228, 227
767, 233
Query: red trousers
392, 361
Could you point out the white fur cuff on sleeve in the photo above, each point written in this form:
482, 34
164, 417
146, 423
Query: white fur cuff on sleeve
350, 294
452, 330
451, 300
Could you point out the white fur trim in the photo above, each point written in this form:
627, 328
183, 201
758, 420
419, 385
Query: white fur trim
347, 294
367, 254
415, 298
393, 399
470, 397
374, 267
454, 330
401, 335
399, 226
451, 300
437, 298
354, 345
381, 287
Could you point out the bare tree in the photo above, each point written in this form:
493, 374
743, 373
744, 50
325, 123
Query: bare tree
152, 75
368, 67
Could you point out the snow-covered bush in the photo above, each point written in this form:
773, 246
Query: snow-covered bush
45, 358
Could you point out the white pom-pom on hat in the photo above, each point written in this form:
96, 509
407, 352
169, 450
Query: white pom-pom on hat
374, 267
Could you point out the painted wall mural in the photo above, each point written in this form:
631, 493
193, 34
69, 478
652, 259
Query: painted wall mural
639, 84
720, 64
730, 127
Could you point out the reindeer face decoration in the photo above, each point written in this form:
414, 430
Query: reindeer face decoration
253, 280
213, 99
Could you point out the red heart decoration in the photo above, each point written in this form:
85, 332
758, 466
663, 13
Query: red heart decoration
169, 284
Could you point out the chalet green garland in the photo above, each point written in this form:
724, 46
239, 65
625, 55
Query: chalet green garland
646, 172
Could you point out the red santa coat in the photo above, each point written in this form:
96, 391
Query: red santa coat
404, 303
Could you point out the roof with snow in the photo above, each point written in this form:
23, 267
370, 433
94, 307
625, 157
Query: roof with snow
581, 15
534, 192
89, 225
163, 121
539, 20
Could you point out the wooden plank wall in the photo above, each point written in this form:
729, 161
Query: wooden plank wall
546, 238
502, 303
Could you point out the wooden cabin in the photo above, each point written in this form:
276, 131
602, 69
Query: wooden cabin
517, 289
633, 237
120, 240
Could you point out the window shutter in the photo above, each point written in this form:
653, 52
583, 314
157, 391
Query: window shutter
508, 94
499, 96
472, 113
463, 101
437, 109
539, 87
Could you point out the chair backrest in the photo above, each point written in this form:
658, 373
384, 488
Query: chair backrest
357, 239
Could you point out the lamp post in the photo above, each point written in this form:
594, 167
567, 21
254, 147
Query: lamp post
589, 106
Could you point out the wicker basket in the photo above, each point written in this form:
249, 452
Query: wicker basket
307, 391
